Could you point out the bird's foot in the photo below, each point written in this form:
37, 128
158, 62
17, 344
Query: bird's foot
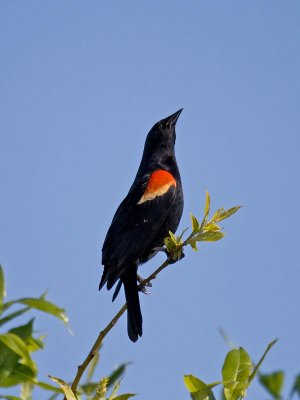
160, 248
143, 285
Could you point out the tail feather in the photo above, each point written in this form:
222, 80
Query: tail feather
134, 315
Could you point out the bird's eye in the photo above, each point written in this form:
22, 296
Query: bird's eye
168, 125
161, 127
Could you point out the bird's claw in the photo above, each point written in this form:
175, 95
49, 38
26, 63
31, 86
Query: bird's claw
143, 285
144, 290
143, 282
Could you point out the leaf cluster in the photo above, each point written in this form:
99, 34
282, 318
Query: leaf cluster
274, 383
17, 344
208, 230
106, 389
238, 371
17, 367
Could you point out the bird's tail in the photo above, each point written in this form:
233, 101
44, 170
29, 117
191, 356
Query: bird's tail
134, 315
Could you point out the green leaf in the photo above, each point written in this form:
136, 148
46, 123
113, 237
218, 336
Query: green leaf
207, 204
7, 397
273, 383
47, 386
65, 388
182, 233
193, 384
115, 390
193, 244
18, 346
212, 226
12, 372
124, 396
24, 331
198, 389
195, 224
227, 213
8, 362
13, 315
210, 236
2, 288
40, 304
19, 375
117, 374
237, 369
296, 386
270, 345
173, 238
34, 344
169, 244
216, 215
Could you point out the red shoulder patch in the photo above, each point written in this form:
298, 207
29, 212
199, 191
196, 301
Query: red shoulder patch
159, 183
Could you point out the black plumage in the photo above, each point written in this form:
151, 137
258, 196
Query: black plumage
152, 207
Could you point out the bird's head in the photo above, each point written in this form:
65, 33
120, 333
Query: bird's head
163, 132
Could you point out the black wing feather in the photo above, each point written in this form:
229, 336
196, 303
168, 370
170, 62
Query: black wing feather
134, 231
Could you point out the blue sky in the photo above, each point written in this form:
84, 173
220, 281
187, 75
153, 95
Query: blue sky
80, 87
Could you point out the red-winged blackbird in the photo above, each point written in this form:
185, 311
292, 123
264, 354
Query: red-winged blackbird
152, 208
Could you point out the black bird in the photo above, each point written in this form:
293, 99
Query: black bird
152, 208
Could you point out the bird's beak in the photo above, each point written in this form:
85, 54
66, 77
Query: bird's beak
172, 119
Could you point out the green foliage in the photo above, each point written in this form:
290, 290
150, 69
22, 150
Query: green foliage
273, 383
198, 389
238, 371
40, 304
206, 231
106, 384
17, 367
17, 344
101, 390
65, 388
296, 387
